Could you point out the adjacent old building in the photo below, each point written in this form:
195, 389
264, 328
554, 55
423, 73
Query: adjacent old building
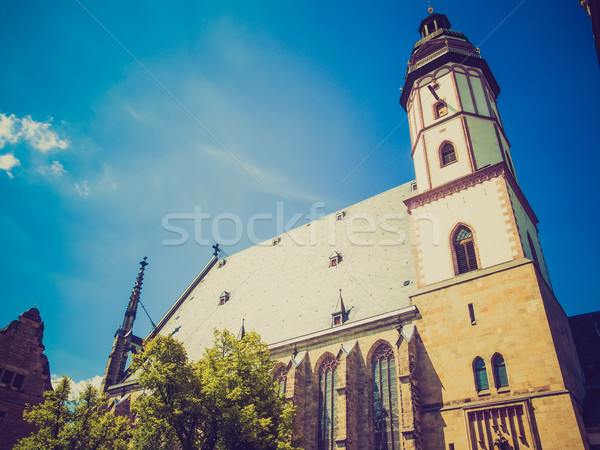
421, 318
24, 374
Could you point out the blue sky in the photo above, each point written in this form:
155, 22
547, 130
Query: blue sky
117, 114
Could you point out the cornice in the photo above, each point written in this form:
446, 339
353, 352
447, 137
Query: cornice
457, 115
349, 330
455, 186
497, 170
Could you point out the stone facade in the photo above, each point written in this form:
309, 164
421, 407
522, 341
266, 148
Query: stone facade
24, 374
446, 333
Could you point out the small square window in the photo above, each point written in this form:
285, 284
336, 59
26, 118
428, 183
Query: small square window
334, 259
440, 109
6, 378
337, 320
223, 298
18, 382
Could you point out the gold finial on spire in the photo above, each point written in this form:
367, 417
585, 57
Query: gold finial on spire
430, 9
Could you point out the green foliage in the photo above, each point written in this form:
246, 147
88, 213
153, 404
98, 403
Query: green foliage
81, 424
227, 400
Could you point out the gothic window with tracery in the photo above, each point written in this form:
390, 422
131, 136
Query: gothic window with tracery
281, 380
327, 403
385, 399
464, 249
480, 372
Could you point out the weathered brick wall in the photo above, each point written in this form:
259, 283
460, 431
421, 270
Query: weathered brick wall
24, 374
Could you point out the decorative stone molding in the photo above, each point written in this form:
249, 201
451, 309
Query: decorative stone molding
455, 186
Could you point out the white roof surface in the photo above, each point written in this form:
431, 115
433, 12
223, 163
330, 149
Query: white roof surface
288, 290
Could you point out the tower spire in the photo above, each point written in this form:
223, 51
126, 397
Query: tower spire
134, 299
124, 341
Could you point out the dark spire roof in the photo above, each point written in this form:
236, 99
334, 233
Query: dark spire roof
134, 299
433, 22
242, 332
440, 45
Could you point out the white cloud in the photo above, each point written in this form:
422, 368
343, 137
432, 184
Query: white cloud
8, 133
78, 386
36, 134
8, 161
56, 169
83, 189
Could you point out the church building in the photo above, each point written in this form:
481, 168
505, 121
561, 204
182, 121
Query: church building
421, 318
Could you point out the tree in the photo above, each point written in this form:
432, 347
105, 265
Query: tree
227, 400
81, 424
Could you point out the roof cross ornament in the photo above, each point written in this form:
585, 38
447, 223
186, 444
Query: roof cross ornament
217, 250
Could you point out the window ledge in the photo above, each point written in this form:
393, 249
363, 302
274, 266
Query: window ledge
503, 389
483, 392
449, 164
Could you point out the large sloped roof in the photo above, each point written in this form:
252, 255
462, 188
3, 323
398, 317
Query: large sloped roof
289, 290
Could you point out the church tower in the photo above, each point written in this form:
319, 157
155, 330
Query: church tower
125, 341
470, 212
495, 350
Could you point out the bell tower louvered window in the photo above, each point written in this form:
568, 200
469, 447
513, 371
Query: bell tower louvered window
385, 399
447, 154
327, 403
464, 248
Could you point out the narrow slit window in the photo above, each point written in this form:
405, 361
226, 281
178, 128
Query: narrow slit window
472, 314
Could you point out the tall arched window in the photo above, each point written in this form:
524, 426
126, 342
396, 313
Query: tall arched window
281, 380
464, 248
385, 399
481, 379
499, 369
327, 403
447, 154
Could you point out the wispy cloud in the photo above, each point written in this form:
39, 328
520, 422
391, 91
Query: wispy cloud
36, 134
83, 189
55, 169
271, 181
7, 162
